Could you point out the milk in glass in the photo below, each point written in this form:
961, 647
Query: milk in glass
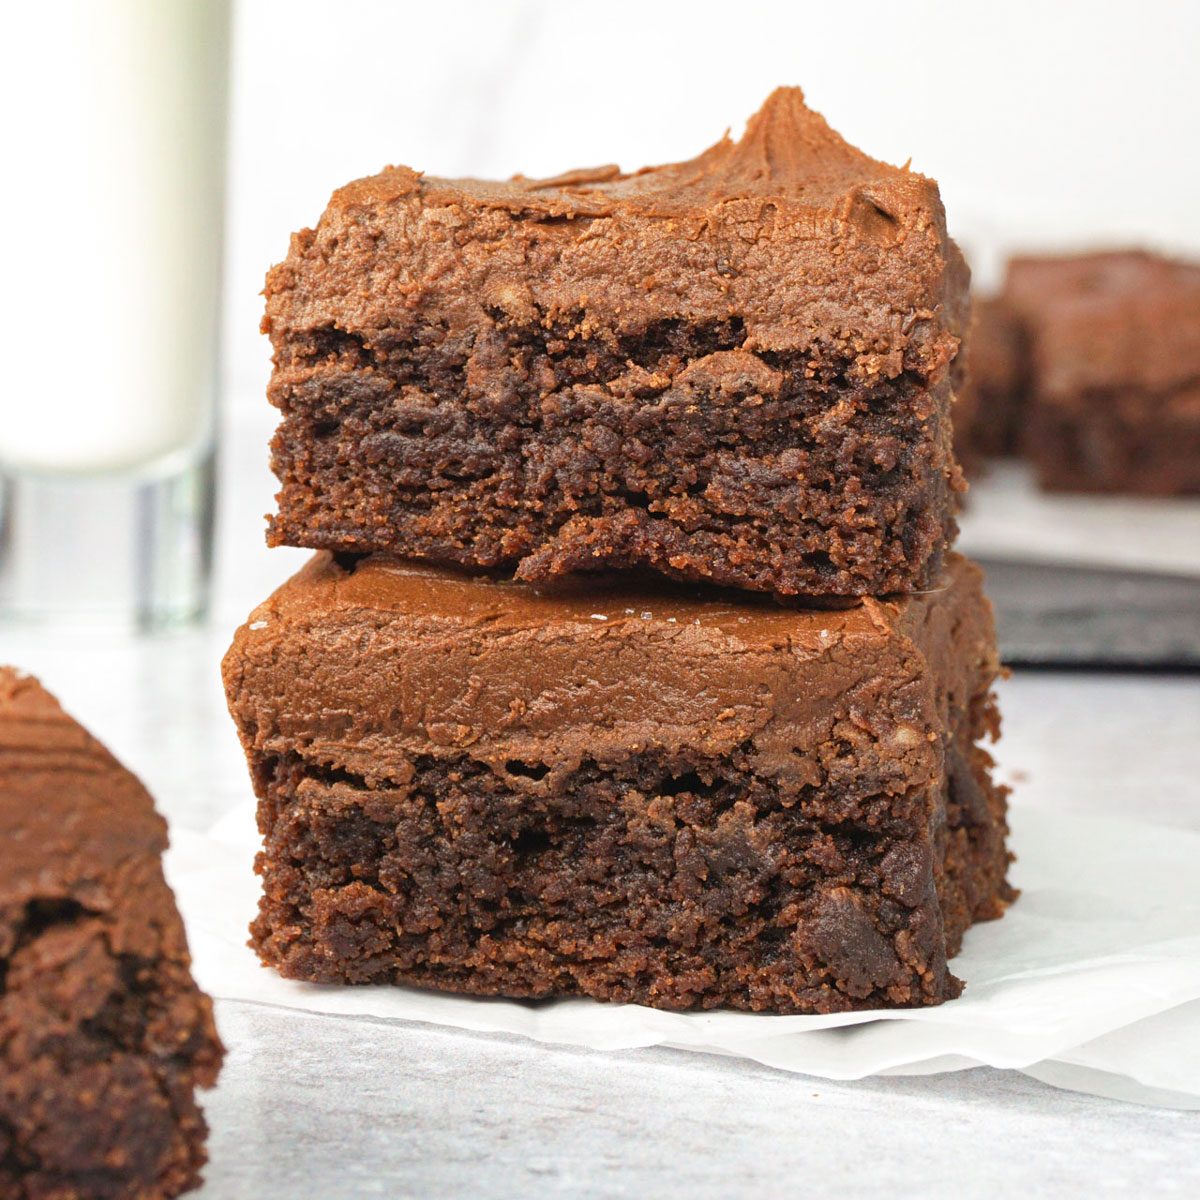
114, 146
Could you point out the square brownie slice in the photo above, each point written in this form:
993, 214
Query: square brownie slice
104, 1037
651, 795
734, 369
1114, 370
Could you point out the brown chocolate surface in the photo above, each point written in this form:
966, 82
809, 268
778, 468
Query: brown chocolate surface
103, 1034
639, 792
733, 369
1114, 370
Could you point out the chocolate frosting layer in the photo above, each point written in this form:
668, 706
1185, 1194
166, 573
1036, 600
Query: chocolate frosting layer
812, 244
70, 814
787, 152
365, 669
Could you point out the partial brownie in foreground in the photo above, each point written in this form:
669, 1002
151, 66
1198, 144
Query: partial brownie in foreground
104, 1037
1114, 342
734, 369
645, 794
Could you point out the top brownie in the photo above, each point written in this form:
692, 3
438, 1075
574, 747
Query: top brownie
733, 369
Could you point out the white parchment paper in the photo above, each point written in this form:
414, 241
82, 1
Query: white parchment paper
1091, 981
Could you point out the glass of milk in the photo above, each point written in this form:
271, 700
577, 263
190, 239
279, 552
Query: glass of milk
112, 215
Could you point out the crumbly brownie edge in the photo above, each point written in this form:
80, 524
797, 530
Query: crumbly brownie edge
104, 1035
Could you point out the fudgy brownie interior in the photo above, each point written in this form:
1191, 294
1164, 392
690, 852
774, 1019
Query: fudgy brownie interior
677, 449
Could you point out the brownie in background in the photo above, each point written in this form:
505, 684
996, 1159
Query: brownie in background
734, 369
990, 409
1113, 371
104, 1037
634, 792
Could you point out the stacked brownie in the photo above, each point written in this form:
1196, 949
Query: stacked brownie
636, 664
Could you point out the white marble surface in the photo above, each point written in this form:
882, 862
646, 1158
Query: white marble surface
335, 1107
313, 1108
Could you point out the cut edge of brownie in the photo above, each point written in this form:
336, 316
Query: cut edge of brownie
328, 918
748, 470
115, 1055
1117, 441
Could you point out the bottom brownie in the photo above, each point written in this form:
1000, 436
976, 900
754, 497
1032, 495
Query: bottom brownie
104, 1037
643, 796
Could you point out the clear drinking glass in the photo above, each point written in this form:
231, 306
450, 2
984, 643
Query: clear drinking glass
112, 212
